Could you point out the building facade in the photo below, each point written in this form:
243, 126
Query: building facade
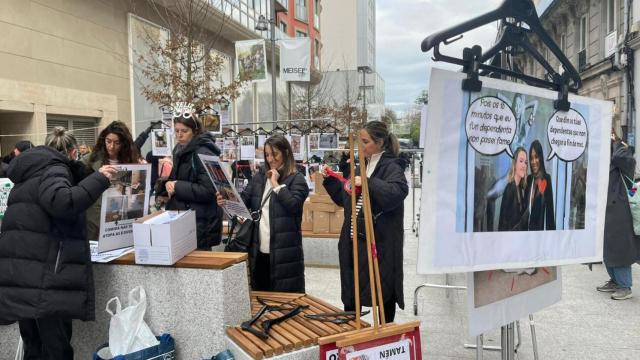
75, 63
592, 34
349, 51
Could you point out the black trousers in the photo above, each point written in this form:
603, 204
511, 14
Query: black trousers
46, 339
262, 273
389, 310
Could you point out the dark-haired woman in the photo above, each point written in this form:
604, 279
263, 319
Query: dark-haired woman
46, 278
189, 186
387, 190
276, 261
539, 192
114, 147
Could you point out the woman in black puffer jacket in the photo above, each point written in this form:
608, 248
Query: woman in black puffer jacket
189, 186
45, 262
276, 261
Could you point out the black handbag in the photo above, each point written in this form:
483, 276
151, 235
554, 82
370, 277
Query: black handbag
248, 231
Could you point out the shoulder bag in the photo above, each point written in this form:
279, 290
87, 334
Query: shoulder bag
248, 231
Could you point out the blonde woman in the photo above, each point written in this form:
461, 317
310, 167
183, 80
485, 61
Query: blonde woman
513, 210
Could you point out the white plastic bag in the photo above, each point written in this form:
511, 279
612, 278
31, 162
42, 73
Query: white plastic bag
128, 332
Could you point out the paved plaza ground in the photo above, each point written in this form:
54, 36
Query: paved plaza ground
585, 324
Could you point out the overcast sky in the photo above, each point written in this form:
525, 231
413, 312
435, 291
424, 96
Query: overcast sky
401, 27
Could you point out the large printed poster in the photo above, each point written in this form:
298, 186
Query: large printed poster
498, 297
520, 194
122, 203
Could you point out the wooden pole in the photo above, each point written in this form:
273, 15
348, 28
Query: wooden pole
367, 220
354, 225
376, 269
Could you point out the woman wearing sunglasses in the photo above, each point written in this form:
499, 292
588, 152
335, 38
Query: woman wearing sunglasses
189, 186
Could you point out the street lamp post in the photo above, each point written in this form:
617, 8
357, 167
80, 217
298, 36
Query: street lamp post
263, 25
365, 70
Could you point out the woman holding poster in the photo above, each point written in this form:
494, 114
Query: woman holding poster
114, 146
513, 209
44, 253
387, 190
276, 261
539, 192
189, 186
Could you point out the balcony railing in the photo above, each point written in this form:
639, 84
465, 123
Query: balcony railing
582, 59
301, 12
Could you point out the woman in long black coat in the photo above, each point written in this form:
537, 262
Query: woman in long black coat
387, 190
513, 208
539, 192
189, 186
45, 263
276, 261
621, 246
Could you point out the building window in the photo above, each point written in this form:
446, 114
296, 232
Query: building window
301, 33
583, 33
317, 53
611, 16
84, 129
301, 10
283, 26
316, 14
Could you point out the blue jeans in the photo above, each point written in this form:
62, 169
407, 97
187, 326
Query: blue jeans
621, 275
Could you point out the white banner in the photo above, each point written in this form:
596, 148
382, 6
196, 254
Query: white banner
508, 177
251, 60
295, 59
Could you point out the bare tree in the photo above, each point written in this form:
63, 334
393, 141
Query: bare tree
183, 68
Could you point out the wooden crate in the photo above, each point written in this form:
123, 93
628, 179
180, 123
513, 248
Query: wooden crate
292, 334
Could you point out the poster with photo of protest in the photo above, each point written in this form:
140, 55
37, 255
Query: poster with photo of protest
247, 147
499, 297
161, 142
328, 141
251, 61
221, 179
509, 176
230, 149
260, 140
126, 200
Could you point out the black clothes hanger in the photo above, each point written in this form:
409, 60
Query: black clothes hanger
328, 129
261, 131
278, 130
293, 128
231, 133
245, 132
518, 11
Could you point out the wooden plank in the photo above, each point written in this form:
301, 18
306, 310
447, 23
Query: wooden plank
237, 256
264, 347
246, 345
372, 334
326, 330
299, 341
311, 234
276, 332
276, 295
330, 308
200, 260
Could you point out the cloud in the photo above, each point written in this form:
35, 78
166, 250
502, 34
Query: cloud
401, 25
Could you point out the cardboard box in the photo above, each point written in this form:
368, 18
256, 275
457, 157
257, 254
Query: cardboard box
315, 198
321, 222
335, 221
320, 190
307, 217
322, 207
164, 237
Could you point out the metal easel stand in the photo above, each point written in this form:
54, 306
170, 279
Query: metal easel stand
508, 346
